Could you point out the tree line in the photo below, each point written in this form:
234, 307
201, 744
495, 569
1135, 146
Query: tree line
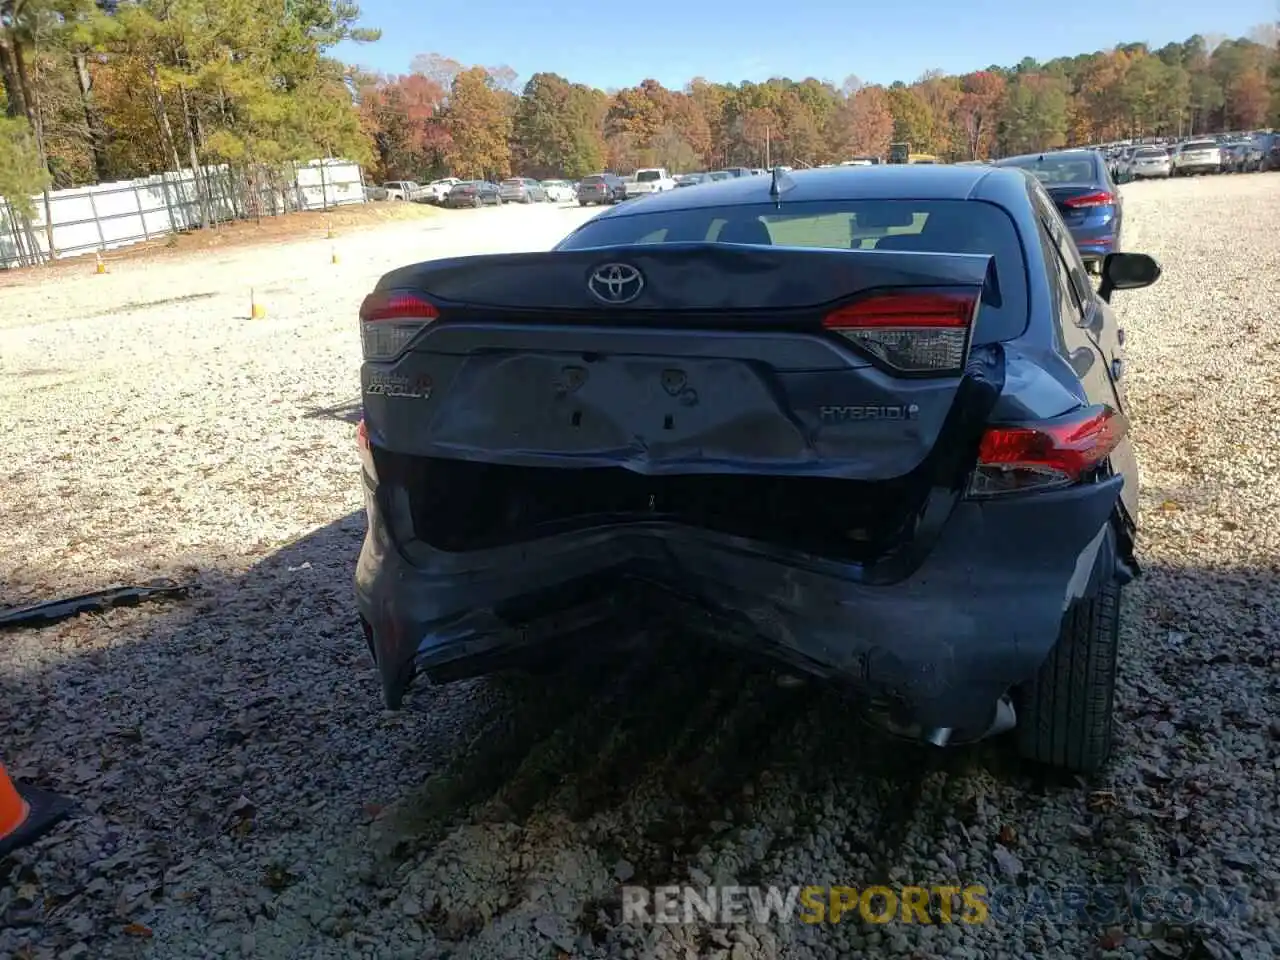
99, 90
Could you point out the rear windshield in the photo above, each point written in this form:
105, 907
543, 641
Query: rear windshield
513, 183
1056, 170
927, 226
645, 176
1153, 152
593, 180
1201, 145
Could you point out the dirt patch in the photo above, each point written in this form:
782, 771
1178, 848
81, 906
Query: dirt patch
311, 224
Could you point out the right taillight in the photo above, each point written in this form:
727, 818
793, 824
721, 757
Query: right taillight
389, 319
913, 332
1055, 453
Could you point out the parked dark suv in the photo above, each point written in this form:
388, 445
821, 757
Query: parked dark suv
601, 188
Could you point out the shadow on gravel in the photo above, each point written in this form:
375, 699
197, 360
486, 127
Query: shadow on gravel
346, 412
239, 778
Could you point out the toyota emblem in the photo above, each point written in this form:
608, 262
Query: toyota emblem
616, 283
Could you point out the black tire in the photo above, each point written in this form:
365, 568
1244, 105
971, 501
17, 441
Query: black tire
582, 203
1066, 714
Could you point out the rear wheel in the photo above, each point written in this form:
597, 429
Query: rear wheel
1065, 714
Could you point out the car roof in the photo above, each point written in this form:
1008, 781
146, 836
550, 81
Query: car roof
1091, 152
887, 182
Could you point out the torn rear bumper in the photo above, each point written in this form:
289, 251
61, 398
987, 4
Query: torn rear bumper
978, 615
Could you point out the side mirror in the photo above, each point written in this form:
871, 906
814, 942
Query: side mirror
1127, 271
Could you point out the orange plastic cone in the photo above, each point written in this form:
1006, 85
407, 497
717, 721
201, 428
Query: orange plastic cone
26, 813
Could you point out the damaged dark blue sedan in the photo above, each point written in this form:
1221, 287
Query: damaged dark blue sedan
870, 422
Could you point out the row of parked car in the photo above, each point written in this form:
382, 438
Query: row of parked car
1195, 156
455, 192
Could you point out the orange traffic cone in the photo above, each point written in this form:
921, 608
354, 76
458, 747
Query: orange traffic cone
26, 813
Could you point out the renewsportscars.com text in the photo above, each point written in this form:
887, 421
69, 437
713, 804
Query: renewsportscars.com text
971, 904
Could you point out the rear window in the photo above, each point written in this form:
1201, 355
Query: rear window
592, 181
927, 226
1201, 145
513, 183
1154, 152
647, 176
1060, 170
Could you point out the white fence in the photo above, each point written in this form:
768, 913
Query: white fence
112, 215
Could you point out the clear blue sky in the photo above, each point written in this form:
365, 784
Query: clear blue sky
880, 41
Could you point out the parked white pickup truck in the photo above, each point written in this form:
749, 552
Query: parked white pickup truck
404, 190
650, 180
437, 190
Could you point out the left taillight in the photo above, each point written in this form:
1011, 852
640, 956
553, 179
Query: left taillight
1101, 198
390, 319
912, 332
1054, 453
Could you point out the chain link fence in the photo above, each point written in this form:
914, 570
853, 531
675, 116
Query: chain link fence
111, 215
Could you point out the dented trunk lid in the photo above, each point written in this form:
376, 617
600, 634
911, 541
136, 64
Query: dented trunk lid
719, 364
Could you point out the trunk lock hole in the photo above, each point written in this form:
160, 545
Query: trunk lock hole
576, 420
673, 381
668, 422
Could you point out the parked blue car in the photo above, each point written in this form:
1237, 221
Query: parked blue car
1079, 182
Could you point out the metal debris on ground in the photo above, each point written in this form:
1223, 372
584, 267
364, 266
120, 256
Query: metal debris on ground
51, 611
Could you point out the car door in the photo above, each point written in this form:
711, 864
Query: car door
1091, 333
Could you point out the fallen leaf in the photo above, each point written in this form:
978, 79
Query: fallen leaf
1008, 835
138, 930
1101, 800
1112, 938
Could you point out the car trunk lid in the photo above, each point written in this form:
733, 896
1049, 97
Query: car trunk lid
736, 377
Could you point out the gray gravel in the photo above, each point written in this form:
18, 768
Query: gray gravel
242, 794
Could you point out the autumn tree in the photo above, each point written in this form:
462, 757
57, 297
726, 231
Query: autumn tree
981, 94
912, 122
404, 116
940, 95
479, 127
863, 125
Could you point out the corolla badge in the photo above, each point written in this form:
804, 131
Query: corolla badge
616, 283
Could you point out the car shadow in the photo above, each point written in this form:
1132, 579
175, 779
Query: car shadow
349, 412
235, 770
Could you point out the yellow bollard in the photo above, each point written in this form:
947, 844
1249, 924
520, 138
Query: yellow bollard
328, 232
256, 310
99, 266
333, 255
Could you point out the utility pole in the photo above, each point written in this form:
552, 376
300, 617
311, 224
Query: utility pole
768, 160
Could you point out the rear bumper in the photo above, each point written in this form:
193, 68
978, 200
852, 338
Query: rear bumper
979, 614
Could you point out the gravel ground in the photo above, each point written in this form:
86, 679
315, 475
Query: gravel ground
241, 793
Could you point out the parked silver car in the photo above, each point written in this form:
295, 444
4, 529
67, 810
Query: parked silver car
1150, 162
522, 190
1197, 156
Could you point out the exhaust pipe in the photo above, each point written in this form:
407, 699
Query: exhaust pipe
1003, 719
938, 736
